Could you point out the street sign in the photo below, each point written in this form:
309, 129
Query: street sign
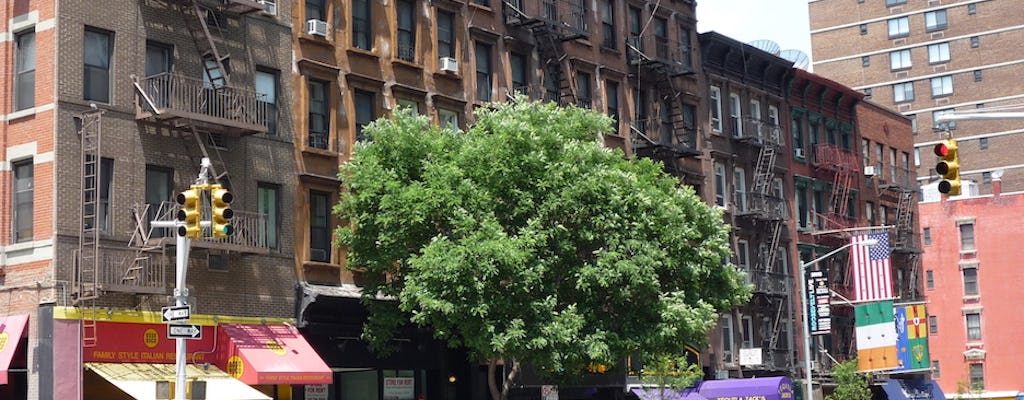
184, 331
175, 313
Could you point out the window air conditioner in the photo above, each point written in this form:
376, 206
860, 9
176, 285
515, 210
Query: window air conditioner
449, 64
269, 7
869, 171
799, 153
316, 27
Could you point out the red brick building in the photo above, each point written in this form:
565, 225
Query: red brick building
972, 278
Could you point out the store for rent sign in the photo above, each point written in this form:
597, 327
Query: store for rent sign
399, 388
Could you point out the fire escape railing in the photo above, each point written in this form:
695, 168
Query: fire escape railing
188, 97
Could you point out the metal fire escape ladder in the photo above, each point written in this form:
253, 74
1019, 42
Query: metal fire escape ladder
85, 278
550, 50
905, 218
681, 135
769, 250
213, 61
841, 186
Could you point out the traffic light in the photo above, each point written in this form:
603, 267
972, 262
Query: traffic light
220, 199
189, 213
948, 167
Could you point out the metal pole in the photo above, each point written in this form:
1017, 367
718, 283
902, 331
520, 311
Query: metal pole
180, 294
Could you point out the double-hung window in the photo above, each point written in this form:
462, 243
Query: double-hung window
935, 20
899, 27
942, 86
970, 280
716, 109
364, 111
319, 120
406, 29
608, 25
98, 51
518, 63
583, 92
735, 115
611, 91
319, 226
24, 70
903, 92
740, 184
362, 30
973, 321
266, 89
720, 185
315, 10
483, 72
23, 187
899, 59
938, 53
966, 237
268, 204
445, 34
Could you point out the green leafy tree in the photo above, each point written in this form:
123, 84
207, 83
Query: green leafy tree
851, 385
666, 374
523, 240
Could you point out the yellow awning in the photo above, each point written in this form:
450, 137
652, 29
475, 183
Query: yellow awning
139, 380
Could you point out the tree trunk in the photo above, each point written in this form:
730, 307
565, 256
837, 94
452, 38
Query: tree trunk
492, 384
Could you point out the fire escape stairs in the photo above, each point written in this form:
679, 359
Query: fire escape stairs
549, 48
197, 24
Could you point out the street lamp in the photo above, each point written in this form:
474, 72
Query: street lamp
803, 291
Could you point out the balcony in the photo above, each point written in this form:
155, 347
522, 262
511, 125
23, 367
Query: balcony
758, 133
250, 232
671, 142
896, 178
660, 53
565, 19
130, 270
766, 207
177, 100
834, 157
235, 7
770, 283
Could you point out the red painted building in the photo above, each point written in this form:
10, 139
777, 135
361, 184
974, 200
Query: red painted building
972, 280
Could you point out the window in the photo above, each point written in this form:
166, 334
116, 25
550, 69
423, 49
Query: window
970, 280
986, 177
802, 208
942, 86
867, 92
735, 115
24, 70
748, 332
268, 198
362, 30
743, 254
797, 126
865, 61
927, 234
917, 156
880, 160
410, 104
935, 369
966, 237
612, 94
319, 120
869, 212
938, 53
899, 27
944, 125
608, 25
935, 20
930, 279
159, 58
315, 9
445, 34
883, 214
661, 38
716, 109
364, 111
977, 75
98, 47
899, 59
977, 376
483, 72
891, 3
319, 226
101, 214
902, 92
23, 186
485, 3
406, 12
913, 123
755, 110
973, 326
518, 67
684, 46
773, 116
972, 9
983, 143
159, 188
266, 88
448, 119
634, 27
863, 29
583, 92
740, 185
727, 339
720, 188
975, 41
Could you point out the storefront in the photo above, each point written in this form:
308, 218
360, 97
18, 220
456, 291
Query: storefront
913, 389
774, 388
13, 356
128, 355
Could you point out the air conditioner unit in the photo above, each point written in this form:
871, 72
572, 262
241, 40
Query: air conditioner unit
870, 171
316, 27
799, 153
269, 7
449, 64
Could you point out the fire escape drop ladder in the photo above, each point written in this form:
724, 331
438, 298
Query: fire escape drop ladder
85, 277
196, 21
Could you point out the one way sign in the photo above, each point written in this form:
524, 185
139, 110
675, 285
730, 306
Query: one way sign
184, 332
176, 313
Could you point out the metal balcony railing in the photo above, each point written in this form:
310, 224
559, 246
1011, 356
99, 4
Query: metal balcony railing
834, 157
770, 283
649, 49
250, 231
568, 16
759, 132
121, 269
169, 96
766, 207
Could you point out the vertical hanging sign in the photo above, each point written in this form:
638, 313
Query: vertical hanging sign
819, 311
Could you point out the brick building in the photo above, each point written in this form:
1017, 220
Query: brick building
114, 107
972, 276
924, 58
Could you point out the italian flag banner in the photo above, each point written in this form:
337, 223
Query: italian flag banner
876, 336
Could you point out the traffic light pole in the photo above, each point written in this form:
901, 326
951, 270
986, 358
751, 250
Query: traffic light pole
182, 246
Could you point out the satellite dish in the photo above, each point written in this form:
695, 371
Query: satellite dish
799, 58
768, 46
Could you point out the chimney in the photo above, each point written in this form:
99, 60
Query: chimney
997, 186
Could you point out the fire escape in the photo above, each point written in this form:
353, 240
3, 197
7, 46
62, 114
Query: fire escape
906, 253
210, 106
551, 23
767, 209
844, 166
657, 62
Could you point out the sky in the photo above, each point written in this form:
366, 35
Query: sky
783, 21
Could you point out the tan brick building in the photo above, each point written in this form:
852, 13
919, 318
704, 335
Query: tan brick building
923, 58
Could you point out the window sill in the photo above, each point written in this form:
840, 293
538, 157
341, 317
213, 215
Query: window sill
362, 52
322, 40
320, 264
610, 50
408, 64
900, 36
319, 152
939, 96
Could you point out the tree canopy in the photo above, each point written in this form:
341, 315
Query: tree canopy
851, 384
522, 238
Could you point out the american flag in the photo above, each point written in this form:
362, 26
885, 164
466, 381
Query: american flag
872, 272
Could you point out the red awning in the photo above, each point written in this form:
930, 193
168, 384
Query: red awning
270, 354
12, 328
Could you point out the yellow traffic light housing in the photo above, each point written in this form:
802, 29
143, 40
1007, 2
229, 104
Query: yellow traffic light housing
948, 167
220, 200
189, 213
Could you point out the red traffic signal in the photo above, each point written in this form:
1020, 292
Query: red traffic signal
942, 149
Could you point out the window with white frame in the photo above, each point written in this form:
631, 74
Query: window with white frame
973, 322
727, 339
716, 109
23, 186
935, 20
938, 53
942, 86
977, 371
899, 27
970, 273
967, 237
720, 184
24, 69
773, 115
755, 109
917, 156
448, 119
902, 92
748, 332
735, 115
899, 59
740, 185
